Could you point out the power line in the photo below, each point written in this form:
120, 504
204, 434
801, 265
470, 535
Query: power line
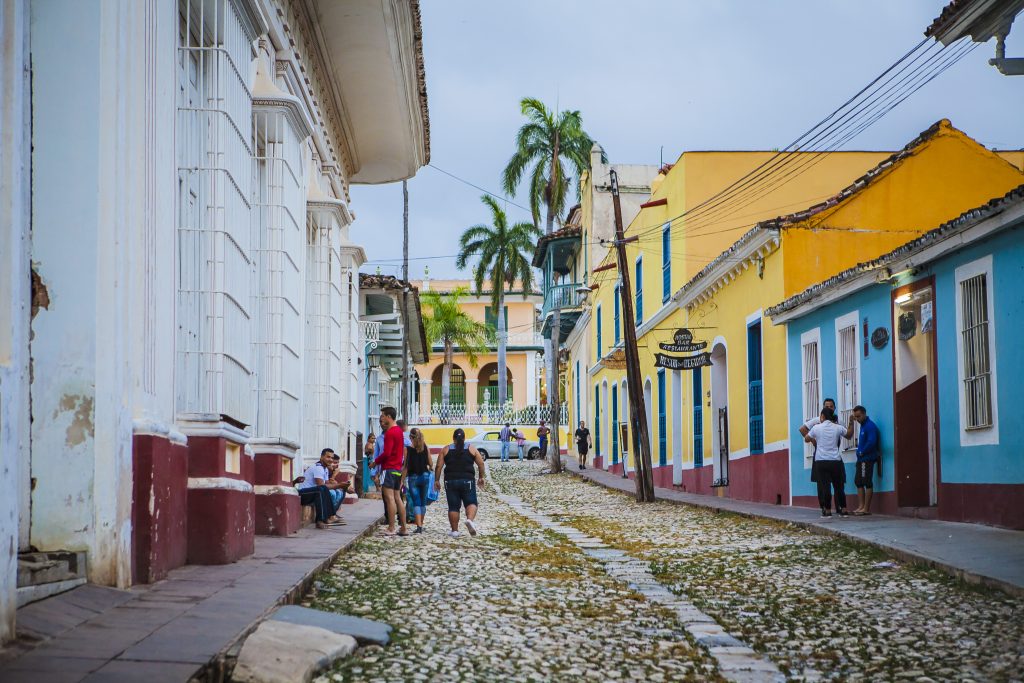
486, 191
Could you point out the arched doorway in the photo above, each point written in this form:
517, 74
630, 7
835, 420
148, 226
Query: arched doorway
457, 385
487, 384
720, 412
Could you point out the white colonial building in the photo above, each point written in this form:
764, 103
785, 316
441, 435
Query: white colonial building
179, 298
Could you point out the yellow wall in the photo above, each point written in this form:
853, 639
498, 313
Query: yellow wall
945, 176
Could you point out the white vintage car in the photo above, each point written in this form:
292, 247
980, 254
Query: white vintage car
490, 446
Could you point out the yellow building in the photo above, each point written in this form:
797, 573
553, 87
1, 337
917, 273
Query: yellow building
474, 389
726, 427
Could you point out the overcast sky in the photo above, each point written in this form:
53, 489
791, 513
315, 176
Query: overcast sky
674, 74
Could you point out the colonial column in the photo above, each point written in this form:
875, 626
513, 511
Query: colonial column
326, 217
280, 129
215, 308
424, 397
472, 400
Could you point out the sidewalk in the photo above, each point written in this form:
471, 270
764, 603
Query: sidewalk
975, 553
179, 627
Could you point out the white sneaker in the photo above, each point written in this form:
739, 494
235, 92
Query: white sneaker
471, 526
453, 534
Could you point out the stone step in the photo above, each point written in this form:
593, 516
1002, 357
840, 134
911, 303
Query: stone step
39, 568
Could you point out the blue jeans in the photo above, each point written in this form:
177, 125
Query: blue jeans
521, 447
543, 446
505, 445
337, 498
417, 492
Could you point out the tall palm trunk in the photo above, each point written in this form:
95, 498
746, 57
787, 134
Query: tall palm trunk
502, 348
446, 373
553, 348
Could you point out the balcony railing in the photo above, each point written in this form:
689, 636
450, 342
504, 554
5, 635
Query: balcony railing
369, 333
563, 296
489, 414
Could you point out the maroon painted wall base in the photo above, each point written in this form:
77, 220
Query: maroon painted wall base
995, 504
277, 514
221, 525
761, 478
698, 480
159, 507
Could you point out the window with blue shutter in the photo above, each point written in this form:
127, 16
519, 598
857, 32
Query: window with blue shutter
755, 403
666, 263
639, 290
698, 418
600, 349
662, 435
615, 424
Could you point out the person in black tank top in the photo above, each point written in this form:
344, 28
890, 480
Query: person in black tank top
418, 464
457, 461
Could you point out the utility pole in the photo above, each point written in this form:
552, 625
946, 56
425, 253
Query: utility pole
405, 307
637, 409
554, 386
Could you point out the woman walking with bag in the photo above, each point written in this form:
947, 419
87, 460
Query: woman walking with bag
418, 465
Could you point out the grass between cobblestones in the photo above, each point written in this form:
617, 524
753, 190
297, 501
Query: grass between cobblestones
814, 604
517, 603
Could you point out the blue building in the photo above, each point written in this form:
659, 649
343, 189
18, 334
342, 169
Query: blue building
929, 338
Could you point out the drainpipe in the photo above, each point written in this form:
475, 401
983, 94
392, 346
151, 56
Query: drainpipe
1008, 67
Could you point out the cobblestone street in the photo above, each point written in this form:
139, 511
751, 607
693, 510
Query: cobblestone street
568, 580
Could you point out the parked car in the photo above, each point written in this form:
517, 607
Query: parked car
490, 446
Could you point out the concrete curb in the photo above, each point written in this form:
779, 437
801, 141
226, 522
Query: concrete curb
908, 556
220, 666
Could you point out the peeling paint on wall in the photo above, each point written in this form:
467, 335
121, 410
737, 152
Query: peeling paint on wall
81, 426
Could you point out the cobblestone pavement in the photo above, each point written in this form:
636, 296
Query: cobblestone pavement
521, 602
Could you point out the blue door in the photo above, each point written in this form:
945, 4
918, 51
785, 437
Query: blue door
615, 424
698, 418
755, 404
662, 436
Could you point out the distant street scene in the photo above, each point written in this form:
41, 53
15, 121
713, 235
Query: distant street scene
405, 341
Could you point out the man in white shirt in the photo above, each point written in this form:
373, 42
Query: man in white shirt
805, 428
826, 437
313, 489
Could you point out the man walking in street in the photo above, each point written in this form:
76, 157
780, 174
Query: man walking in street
868, 454
583, 443
826, 437
505, 436
390, 462
457, 460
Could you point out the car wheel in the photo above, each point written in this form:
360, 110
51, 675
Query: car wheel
483, 454
532, 455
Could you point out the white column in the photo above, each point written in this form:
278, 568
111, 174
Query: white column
531, 375
15, 294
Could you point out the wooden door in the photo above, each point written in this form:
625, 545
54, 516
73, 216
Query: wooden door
912, 466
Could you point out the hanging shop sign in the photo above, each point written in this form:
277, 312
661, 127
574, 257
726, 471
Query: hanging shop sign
694, 362
683, 343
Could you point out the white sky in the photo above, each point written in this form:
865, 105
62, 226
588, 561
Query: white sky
677, 74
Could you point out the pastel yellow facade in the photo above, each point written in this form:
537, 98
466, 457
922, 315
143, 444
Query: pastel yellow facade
707, 424
475, 385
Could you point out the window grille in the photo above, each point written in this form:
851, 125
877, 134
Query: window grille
977, 366
811, 387
849, 392
278, 238
215, 271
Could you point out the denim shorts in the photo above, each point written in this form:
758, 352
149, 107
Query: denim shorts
392, 480
460, 492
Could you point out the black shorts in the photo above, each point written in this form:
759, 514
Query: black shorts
460, 492
581, 447
392, 480
865, 470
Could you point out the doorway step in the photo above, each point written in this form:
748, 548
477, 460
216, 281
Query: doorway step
41, 575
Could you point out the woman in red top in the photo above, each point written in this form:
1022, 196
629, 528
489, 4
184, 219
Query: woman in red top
390, 461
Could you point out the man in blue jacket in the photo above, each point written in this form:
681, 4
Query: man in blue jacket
868, 455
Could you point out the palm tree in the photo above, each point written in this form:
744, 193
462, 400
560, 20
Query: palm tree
501, 250
448, 324
547, 141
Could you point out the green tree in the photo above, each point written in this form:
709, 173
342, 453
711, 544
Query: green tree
450, 326
544, 145
501, 254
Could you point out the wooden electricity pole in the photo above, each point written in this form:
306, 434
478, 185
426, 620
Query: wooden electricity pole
637, 409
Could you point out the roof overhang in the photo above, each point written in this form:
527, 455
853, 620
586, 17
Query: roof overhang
980, 19
373, 50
